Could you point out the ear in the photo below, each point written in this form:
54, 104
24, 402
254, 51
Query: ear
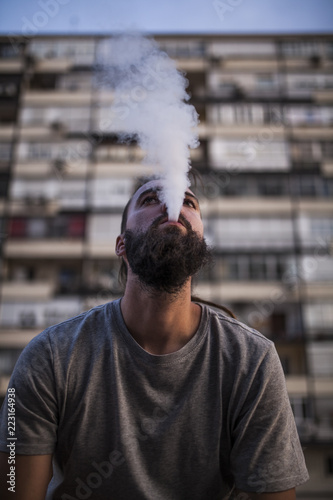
120, 246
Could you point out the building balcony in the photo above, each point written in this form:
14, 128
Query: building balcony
192, 64
6, 132
100, 250
327, 168
11, 66
308, 63
11, 338
118, 169
40, 169
34, 290
55, 97
245, 206
315, 207
39, 132
4, 381
274, 206
241, 131
44, 248
104, 97
316, 291
245, 64
246, 291
320, 132
34, 207
56, 65
301, 385
323, 95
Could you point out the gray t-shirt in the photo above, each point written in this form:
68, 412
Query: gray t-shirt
128, 425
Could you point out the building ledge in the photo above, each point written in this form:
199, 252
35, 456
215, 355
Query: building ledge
39, 290
49, 98
57, 248
246, 291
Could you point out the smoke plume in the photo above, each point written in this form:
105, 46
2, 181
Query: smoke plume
150, 104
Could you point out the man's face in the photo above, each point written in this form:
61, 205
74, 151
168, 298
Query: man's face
163, 254
145, 206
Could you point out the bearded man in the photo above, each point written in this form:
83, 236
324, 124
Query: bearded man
153, 396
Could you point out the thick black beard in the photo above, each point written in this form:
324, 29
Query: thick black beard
165, 259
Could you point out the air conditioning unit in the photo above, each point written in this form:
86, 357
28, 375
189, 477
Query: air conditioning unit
57, 126
59, 167
315, 60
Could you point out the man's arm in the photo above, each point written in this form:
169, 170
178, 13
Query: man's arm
32, 475
281, 495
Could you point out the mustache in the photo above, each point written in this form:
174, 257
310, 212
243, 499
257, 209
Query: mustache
156, 222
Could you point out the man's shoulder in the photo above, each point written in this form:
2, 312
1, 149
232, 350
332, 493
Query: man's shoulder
90, 321
235, 332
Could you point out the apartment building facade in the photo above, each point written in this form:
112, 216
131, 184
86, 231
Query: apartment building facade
266, 161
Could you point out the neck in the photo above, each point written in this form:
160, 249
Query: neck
160, 322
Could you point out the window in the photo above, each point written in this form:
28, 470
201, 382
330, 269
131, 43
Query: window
69, 150
318, 318
72, 194
5, 150
8, 87
17, 227
179, 49
309, 115
252, 154
303, 85
265, 80
68, 280
61, 226
301, 49
3, 184
329, 465
37, 228
72, 118
9, 51
321, 228
278, 329
38, 314
74, 81
300, 407
249, 49
120, 153
320, 355
8, 358
103, 228
273, 186
250, 233
306, 152
76, 226
111, 192
80, 52
248, 267
328, 150
240, 114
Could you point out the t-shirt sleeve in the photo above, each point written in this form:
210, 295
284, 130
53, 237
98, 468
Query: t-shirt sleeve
266, 454
36, 412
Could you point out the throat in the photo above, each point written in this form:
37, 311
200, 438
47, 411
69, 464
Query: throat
162, 329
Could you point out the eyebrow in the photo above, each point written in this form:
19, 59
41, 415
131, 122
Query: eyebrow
158, 189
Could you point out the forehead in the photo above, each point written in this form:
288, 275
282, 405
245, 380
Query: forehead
154, 185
